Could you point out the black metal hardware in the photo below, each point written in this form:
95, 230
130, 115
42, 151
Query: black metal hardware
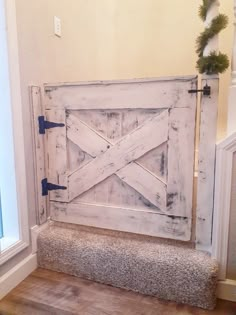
206, 90
49, 186
45, 124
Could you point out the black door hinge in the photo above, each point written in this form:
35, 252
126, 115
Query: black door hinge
49, 186
206, 90
45, 124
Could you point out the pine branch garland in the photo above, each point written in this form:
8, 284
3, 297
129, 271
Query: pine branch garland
214, 63
204, 8
218, 24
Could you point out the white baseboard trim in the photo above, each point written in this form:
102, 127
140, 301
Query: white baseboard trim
17, 274
226, 290
35, 230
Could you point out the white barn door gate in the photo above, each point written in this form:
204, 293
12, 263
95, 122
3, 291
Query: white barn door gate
120, 155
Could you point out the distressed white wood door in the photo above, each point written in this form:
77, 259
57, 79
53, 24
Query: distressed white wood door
125, 154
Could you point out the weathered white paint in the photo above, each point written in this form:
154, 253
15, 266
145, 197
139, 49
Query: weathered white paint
145, 183
152, 188
117, 154
231, 126
125, 151
39, 150
57, 157
224, 166
180, 161
84, 137
207, 142
155, 161
76, 157
152, 93
114, 191
206, 165
128, 220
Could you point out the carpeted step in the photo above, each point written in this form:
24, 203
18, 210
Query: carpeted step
144, 265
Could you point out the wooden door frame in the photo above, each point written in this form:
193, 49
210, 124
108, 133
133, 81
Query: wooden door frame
206, 163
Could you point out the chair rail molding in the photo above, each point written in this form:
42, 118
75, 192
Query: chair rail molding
223, 182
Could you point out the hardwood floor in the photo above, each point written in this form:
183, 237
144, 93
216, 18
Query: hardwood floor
47, 292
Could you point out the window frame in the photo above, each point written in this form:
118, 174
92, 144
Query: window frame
1, 226
10, 247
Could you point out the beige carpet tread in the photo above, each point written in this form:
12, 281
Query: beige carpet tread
175, 273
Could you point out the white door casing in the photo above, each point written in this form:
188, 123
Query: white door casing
125, 154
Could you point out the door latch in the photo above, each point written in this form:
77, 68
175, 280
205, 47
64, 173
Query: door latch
206, 90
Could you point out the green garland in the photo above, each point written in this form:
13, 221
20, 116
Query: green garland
204, 8
216, 62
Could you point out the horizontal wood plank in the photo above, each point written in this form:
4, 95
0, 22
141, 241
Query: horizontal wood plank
128, 220
154, 93
42, 294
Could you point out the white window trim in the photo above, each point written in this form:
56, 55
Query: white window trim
15, 246
223, 182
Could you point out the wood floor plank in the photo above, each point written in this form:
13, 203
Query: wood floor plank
46, 292
21, 306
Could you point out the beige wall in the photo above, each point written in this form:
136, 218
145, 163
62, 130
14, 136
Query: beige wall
114, 39
109, 39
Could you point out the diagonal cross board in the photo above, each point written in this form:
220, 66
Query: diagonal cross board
118, 158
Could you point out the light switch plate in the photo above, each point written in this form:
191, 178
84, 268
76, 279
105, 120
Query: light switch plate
57, 26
